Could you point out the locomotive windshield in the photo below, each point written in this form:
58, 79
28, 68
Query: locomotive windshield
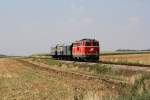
96, 43
88, 44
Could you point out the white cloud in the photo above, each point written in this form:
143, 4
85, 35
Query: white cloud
88, 20
79, 22
77, 7
134, 21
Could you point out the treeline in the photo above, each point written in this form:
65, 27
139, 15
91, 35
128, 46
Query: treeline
132, 50
40, 54
1, 55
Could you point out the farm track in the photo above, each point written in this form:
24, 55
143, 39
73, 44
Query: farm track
73, 75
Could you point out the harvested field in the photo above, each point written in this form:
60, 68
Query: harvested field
49, 79
21, 81
128, 58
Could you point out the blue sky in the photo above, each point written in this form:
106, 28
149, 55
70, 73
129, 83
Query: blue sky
33, 26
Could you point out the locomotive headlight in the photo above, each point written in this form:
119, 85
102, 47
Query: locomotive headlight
92, 49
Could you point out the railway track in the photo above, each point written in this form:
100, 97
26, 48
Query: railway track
111, 63
73, 75
132, 67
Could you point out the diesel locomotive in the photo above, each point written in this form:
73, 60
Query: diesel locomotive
82, 50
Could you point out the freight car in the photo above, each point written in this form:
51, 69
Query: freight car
83, 50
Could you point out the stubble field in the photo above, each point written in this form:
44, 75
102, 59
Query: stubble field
128, 58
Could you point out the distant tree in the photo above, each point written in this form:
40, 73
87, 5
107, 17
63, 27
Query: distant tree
1, 55
126, 50
123, 50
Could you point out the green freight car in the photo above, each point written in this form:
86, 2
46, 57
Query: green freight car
67, 52
62, 52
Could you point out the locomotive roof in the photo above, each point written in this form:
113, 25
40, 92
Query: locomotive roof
88, 39
85, 40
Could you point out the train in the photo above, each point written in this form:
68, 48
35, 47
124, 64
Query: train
81, 50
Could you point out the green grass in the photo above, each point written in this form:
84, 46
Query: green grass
96, 68
138, 91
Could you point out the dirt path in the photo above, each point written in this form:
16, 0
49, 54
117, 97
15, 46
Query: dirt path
23, 80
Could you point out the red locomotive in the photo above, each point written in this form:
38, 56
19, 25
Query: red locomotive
84, 50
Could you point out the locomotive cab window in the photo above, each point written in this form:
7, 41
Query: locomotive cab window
88, 43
